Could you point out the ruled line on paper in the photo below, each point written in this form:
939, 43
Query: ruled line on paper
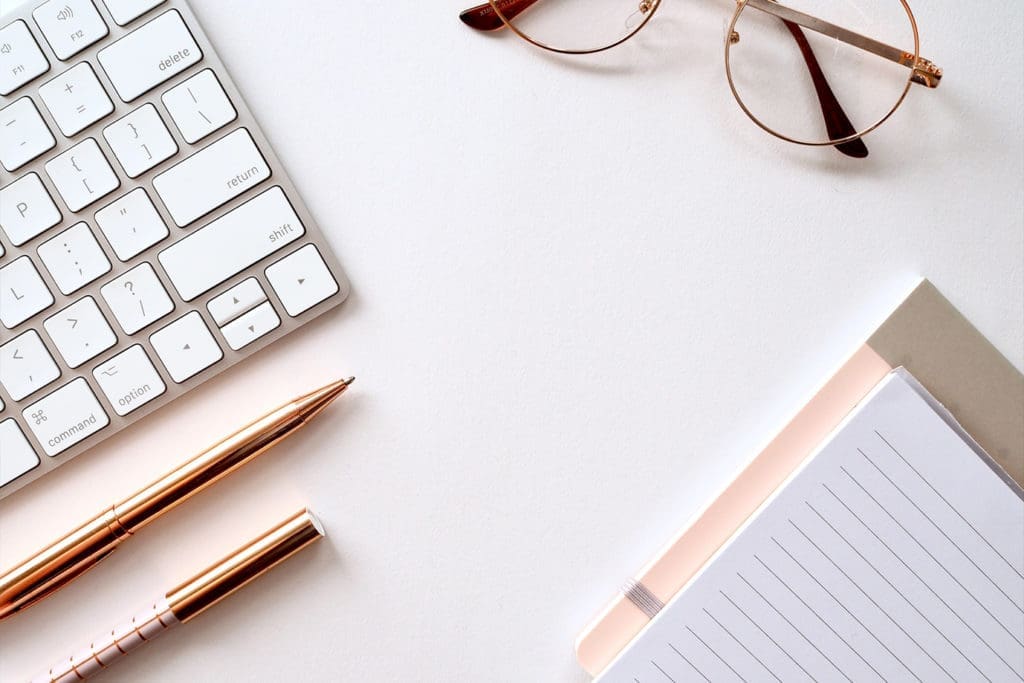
692, 665
665, 673
954, 544
790, 589
914, 538
740, 643
931, 589
822, 583
766, 635
828, 625
949, 505
715, 653
872, 600
794, 627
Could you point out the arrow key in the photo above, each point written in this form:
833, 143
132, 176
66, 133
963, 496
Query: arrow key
251, 326
302, 280
240, 299
186, 347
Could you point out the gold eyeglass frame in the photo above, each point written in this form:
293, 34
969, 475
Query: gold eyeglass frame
922, 71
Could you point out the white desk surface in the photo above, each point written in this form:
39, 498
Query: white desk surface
585, 291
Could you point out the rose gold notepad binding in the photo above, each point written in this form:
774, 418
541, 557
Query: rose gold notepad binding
926, 335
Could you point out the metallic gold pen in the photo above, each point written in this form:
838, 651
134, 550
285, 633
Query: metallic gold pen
190, 599
80, 550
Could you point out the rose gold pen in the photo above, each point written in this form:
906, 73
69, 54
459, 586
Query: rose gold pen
190, 599
80, 550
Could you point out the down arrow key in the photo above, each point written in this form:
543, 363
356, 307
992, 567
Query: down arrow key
255, 324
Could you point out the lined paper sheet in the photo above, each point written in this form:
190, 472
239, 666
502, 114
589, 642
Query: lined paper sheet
895, 554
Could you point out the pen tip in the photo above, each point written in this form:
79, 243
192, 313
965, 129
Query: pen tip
313, 403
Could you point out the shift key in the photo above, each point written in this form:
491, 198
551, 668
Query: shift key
67, 416
232, 243
151, 54
211, 177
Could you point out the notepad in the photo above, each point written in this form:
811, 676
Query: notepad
895, 553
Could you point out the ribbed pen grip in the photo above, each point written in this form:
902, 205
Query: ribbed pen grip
119, 641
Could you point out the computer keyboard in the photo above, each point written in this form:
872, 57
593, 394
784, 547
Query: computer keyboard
149, 237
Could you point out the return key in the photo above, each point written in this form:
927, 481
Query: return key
211, 177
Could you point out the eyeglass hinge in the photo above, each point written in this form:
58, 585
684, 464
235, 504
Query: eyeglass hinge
924, 72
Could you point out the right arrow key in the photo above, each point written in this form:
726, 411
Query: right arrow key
302, 280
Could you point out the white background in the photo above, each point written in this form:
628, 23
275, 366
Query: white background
585, 292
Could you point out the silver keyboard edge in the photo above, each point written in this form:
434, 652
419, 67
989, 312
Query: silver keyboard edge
245, 119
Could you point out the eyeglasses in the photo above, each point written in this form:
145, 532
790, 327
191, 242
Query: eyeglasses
776, 56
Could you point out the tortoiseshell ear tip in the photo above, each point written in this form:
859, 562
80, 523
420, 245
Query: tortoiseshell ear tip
854, 148
482, 18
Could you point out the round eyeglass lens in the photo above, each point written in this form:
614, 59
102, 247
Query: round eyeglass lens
809, 70
575, 26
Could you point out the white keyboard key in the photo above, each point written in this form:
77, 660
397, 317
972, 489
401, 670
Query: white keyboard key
124, 11
21, 60
186, 347
302, 280
16, 454
26, 209
140, 140
137, 298
251, 326
199, 106
69, 26
129, 380
131, 224
75, 99
67, 416
239, 299
82, 175
22, 292
211, 177
149, 55
23, 134
80, 332
74, 258
26, 366
231, 243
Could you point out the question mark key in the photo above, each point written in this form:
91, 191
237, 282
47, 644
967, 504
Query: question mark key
124, 295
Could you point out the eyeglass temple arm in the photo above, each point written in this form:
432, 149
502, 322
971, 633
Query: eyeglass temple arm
484, 18
837, 123
924, 72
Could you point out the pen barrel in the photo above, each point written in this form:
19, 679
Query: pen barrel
208, 467
220, 580
61, 562
111, 646
78, 551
